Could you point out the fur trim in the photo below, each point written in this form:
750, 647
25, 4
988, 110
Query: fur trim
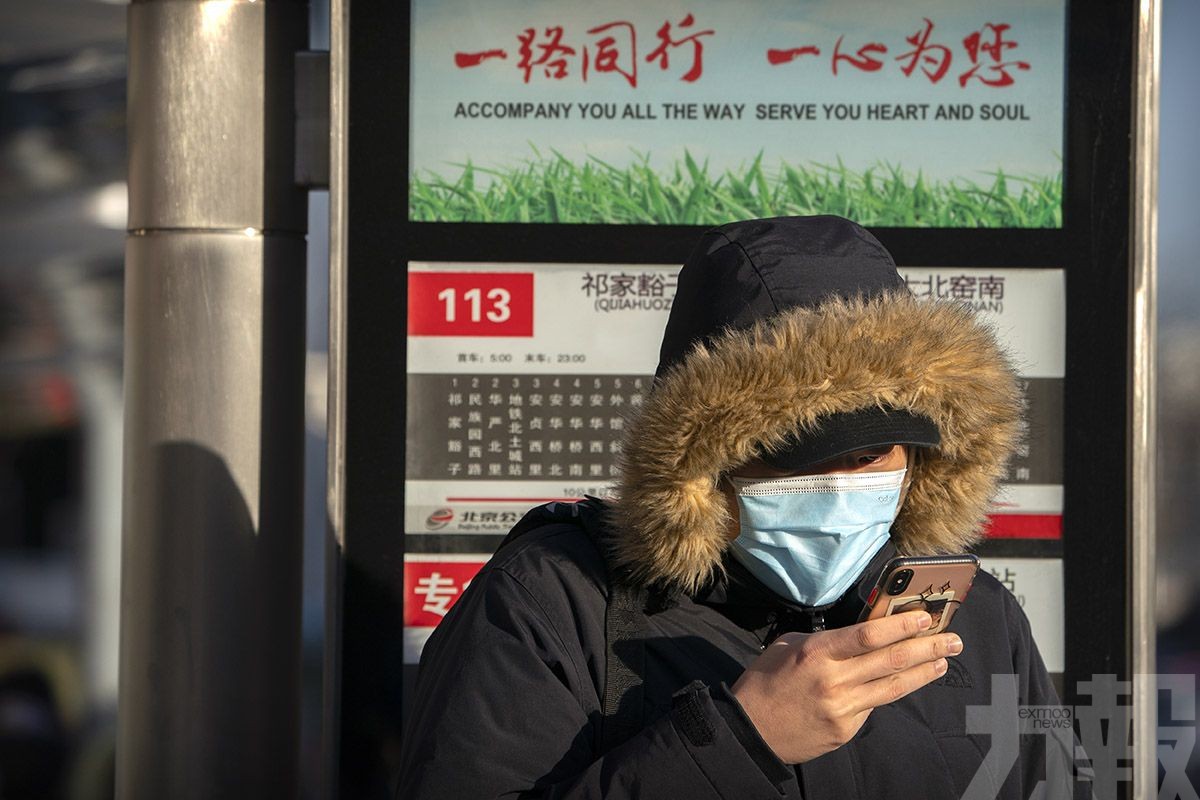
726, 402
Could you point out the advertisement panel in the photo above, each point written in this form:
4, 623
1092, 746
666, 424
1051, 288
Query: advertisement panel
934, 113
522, 377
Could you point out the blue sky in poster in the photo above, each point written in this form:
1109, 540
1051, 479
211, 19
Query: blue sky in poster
736, 71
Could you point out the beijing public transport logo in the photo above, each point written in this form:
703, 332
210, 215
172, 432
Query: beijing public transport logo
439, 519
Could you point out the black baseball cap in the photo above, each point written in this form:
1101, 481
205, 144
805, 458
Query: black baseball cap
838, 434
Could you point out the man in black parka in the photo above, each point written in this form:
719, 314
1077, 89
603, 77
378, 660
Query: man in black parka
794, 357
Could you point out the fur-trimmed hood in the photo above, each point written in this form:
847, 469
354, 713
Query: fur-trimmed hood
743, 391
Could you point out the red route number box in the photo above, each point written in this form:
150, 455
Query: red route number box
470, 304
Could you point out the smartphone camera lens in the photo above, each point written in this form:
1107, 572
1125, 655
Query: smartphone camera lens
899, 581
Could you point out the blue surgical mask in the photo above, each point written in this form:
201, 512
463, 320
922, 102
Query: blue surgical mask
808, 538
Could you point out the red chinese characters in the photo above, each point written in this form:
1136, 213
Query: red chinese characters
552, 54
613, 54
862, 59
934, 58
985, 49
665, 42
433, 584
611, 49
996, 73
464, 60
784, 56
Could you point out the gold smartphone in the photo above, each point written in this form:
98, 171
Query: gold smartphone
937, 584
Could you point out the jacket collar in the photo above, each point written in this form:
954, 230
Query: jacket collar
740, 597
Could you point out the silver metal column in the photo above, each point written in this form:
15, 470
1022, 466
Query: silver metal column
214, 369
1143, 341
335, 426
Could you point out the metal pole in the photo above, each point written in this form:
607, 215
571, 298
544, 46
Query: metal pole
335, 493
214, 371
1143, 340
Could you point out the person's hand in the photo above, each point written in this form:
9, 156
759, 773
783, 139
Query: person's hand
809, 693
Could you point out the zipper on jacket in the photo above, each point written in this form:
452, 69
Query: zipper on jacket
792, 621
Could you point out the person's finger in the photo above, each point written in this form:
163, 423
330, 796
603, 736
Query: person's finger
899, 657
882, 691
854, 640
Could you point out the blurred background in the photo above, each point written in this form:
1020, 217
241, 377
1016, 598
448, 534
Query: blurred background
62, 241
62, 221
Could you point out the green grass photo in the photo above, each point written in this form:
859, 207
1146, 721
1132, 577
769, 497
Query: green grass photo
554, 188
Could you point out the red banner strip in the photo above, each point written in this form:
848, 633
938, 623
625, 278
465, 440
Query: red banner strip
1024, 526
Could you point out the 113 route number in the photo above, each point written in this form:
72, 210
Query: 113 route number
470, 304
